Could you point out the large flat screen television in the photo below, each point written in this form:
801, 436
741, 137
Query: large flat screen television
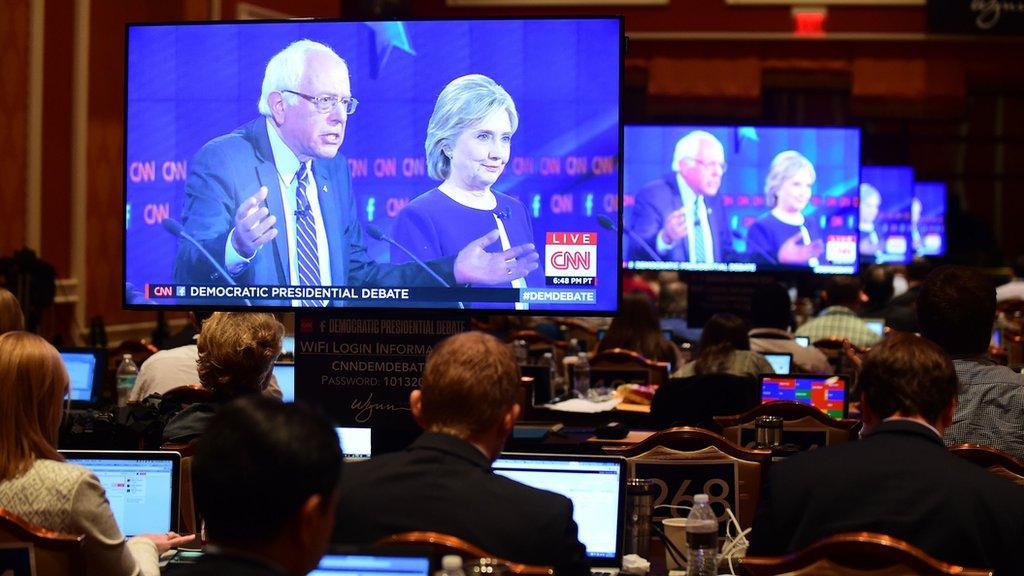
262, 171
741, 198
928, 219
886, 195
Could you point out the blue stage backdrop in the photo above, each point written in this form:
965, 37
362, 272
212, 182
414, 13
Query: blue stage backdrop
749, 151
929, 230
188, 84
895, 185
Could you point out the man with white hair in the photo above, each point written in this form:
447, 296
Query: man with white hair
272, 201
679, 216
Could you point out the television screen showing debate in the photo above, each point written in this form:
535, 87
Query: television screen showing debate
886, 195
741, 198
429, 164
928, 219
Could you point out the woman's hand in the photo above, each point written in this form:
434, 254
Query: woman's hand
793, 251
165, 542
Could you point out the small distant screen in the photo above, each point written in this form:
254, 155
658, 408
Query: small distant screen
876, 325
288, 345
285, 376
781, 363
928, 219
363, 565
886, 196
826, 394
82, 372
804, 341
997, 338
139, 492
355, 442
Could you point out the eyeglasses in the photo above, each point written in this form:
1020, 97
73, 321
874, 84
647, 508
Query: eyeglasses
324, 104
723, 166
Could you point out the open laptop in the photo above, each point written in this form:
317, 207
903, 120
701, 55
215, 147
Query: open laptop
142, 487
86, 367
372, 563
827, 393
355, 442
782, 362
876, 325
804, 341
595, 484
284, 373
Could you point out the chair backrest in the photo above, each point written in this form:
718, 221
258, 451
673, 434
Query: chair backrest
188, 516
685, 461
538, 343
802, 425
189, 394
55, 554
695, 400
995, 461
443, 544
629, 363
832, 348
855, 554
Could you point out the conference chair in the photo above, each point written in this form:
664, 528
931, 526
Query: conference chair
832, 348
995, 461
802, 425
619, 364
855, 554
696, 400
444, 544
686, 461
188, 516
55, 554
537, 344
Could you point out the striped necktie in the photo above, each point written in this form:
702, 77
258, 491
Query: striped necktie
699, 250
306, 253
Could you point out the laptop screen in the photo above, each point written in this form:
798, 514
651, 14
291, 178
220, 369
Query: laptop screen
827, 393
804, 341
142, 487
876, 325
375, 565
82, 366
595, 485
285, 376
355, 442
781, 362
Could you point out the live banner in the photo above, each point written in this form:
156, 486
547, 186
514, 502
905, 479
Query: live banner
360, 371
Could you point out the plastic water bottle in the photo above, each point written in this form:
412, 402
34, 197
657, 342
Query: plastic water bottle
554, 376
581, 376
521, 351
127, 372
451, 565
702, 538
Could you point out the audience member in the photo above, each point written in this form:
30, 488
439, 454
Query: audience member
636, 327
11, 317
176, 367
266, 483
443, 482
237, 351
839, 320
899, 480
771, 315
956, 309
724, 348
878, 288
35, 481
1014, 289
903, 307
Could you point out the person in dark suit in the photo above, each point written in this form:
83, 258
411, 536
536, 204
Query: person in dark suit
266, 483
443, 482
899, 479
272, 201
680, 217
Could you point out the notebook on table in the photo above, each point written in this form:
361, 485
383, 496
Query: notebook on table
595, 484
141, 486
827, 393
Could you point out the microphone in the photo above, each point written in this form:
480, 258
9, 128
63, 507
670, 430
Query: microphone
608, 224
504, 214
376, 234
174, 227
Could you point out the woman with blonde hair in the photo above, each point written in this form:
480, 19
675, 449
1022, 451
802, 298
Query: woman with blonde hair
35, 481
786, 236
11, 318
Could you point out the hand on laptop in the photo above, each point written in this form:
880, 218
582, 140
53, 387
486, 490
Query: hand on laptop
165, 542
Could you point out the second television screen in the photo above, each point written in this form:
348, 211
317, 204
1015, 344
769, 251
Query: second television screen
741, 198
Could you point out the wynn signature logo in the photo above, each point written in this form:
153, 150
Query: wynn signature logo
989, 12
365, 408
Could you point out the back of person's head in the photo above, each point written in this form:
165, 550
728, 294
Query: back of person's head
33, 384
842, 291
955, 309
878, 284
11, 317
908, 375
770, 307
918, 270
1018, 267
237, 351
262, 470
636, 327
470, 382
722, 335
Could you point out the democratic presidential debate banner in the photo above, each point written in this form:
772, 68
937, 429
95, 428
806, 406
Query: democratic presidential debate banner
886, 194
741, 198
928, 219
524, 150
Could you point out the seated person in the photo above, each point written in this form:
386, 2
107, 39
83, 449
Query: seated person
839, 320
443, 482
636, 327
237, 351
899, 480
724, 348
266, 483
771, 313
35, 481
11, 317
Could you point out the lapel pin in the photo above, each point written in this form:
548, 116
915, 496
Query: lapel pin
324, 188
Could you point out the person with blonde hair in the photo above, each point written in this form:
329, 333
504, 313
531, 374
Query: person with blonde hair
11, 317
35, 481
785, 235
